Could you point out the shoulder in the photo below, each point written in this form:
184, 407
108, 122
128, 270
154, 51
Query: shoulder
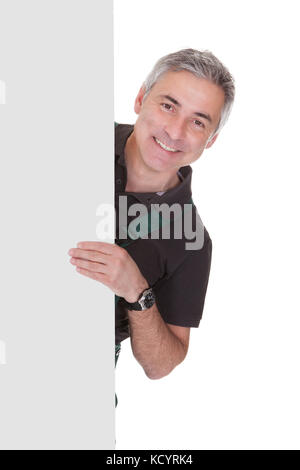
122, 129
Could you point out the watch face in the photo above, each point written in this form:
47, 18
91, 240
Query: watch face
149, 300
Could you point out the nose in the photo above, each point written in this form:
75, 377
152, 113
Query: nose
175, 129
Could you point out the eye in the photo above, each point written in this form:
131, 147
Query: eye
166, 106
198, 123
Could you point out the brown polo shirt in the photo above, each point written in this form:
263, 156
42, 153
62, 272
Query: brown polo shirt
179, 276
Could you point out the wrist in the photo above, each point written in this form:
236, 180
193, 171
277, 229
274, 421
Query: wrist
135, 294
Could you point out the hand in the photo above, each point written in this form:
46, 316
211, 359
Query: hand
111, 265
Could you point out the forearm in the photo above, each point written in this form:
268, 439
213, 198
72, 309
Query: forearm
154, 346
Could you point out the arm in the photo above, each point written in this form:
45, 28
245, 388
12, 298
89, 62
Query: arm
159, 347
154, 345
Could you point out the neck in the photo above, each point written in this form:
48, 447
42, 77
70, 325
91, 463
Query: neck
140, 177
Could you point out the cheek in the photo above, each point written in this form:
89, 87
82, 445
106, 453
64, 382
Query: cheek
148, 126
143, 122
197, 144
151, 119
196, 149
151, 115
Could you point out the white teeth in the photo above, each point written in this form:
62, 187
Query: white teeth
164, 146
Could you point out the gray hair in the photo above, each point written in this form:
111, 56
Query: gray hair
202, 64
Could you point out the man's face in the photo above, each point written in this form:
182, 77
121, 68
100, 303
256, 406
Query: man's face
181, 111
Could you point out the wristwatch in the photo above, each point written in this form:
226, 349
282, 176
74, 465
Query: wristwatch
145, 300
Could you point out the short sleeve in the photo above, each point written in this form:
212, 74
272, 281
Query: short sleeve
180, 297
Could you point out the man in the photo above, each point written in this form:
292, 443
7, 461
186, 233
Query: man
160, 285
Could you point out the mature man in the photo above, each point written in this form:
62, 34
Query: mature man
160, 285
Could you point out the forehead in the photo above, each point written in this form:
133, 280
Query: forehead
193, 93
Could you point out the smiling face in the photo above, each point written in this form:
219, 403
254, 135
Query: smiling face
175, 120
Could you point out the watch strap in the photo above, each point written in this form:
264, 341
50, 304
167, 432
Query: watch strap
145, 301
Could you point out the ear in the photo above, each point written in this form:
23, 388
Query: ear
139, 99
212, 141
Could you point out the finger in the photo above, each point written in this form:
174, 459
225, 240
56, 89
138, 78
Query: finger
96, 276
89, 255
103, 247
89, 265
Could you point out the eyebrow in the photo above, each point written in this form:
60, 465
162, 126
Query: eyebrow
197, 113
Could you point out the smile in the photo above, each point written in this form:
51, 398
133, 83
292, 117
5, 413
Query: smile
165, 147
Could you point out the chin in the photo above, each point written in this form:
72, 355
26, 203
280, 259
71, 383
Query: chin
156, 162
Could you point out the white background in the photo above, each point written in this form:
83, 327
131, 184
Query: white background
239, 386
